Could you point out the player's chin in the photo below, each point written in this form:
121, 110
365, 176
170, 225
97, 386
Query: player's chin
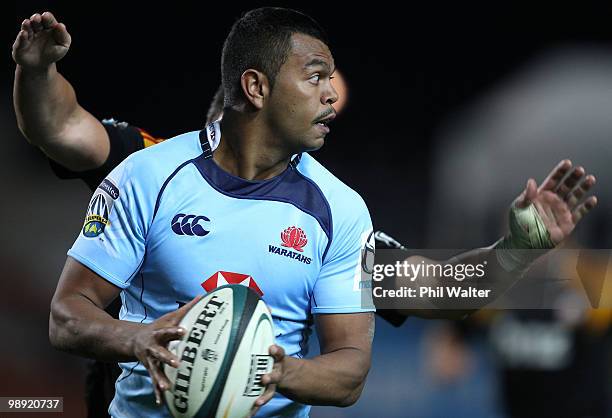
317, 139
314, 143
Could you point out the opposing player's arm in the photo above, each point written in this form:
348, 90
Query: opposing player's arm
497, 280
46, 106
540, 219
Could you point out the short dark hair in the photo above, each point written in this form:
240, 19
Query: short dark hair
261, 39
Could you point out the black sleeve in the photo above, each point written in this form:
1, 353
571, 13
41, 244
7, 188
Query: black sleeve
391, 317
124, 140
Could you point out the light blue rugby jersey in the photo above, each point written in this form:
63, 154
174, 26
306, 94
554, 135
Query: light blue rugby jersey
168, 224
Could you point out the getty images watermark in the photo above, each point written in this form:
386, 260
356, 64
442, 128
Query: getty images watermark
401, 279
411, 271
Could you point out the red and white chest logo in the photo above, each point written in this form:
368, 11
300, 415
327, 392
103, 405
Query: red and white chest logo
294, 237
222, 278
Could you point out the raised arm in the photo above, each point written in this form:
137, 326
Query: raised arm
46, 106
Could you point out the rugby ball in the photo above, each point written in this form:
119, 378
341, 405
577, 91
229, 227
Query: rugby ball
223, 355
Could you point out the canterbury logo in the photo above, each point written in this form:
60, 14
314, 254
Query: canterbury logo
183, 224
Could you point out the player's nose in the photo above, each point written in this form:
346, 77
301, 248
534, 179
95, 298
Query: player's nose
329, 96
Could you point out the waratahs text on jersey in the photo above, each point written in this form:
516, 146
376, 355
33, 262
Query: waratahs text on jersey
282, 251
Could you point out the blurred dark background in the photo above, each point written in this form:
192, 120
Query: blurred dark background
450, 109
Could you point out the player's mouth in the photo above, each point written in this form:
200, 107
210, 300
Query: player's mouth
323, 123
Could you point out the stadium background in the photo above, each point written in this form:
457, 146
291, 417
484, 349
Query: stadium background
449, 107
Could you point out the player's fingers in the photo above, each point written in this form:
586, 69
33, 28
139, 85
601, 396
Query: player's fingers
277, 352
158, 378
163, 356
556, 175
151, 368
48, 20
158, 395
570, 182
578, 192
165, 335
271, 378
61, 35
36, 20
583, 209
20, 41
520, 200
266, 396
26, 25
528, 195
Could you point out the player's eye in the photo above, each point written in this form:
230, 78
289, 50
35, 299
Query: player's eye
315, 78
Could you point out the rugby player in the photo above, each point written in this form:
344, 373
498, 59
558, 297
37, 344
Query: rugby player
252, 165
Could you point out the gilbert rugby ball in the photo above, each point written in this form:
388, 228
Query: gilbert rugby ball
223, 355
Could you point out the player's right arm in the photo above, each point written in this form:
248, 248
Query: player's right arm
104, 259
79, 324
46, 106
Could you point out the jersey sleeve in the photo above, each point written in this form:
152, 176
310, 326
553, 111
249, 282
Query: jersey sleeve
392, 317
345, 279
112, 240
124, 139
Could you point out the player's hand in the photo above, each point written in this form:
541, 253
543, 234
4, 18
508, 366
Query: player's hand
560, 202
149, 346
41, 41
272, 379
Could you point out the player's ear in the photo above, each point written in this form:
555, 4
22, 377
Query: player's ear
255, 87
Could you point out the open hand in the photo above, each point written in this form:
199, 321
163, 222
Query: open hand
559, 199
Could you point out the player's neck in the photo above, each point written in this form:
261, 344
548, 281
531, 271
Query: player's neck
246, 151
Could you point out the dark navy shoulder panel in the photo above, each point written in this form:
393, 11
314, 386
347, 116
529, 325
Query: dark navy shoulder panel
289, 187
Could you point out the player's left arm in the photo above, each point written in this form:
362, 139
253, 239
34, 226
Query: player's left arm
343, 312
337, 376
